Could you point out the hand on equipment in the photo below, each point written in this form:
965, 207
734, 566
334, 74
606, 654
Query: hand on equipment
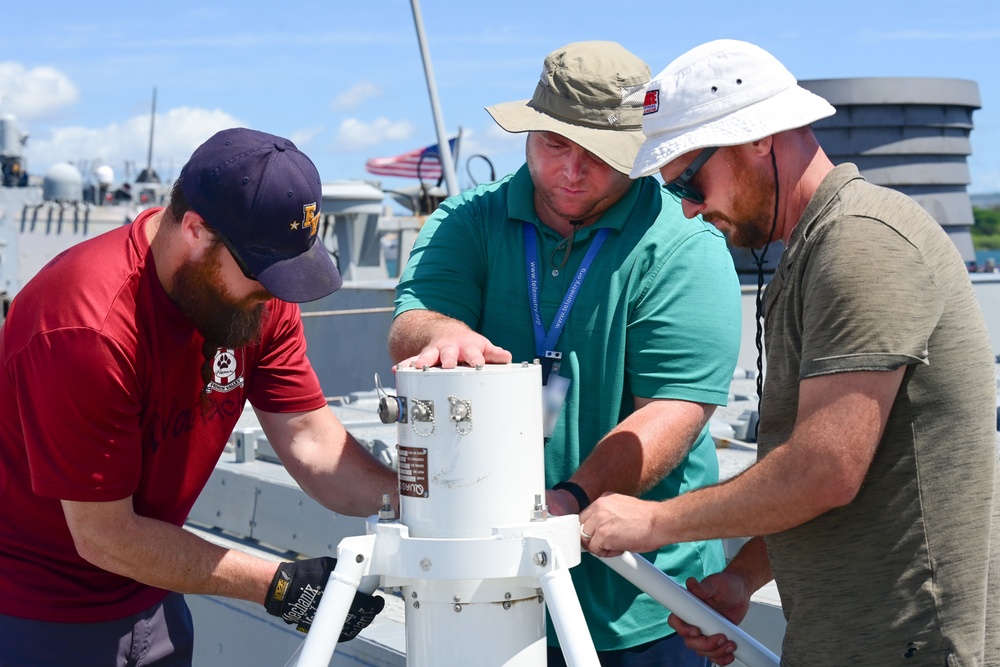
297, 588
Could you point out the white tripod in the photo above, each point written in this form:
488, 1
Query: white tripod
475, 554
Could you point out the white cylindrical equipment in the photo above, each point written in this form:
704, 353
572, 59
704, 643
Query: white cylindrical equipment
475, 542
470, 450
470, 461
10, 137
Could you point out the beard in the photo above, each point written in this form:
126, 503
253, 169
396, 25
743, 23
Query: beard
223, 321
753, 211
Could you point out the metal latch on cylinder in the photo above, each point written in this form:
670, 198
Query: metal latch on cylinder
422, 417
461, 414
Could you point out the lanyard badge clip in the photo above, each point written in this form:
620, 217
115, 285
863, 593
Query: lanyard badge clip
552, 361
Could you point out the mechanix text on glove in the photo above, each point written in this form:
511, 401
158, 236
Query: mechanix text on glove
297, 589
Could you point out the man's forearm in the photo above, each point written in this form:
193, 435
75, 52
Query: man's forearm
163, 555
643, 448
353, 484
752, 563
328, 463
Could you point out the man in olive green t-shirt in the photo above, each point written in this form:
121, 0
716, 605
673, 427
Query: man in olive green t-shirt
876, 488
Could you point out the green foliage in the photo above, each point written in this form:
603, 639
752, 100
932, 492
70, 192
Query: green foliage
986, 230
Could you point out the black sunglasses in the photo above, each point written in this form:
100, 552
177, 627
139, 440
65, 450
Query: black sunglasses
681, 186
236, 256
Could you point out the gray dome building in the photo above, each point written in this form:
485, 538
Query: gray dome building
910, 134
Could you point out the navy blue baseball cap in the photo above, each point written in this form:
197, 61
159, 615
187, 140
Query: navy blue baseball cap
262, 195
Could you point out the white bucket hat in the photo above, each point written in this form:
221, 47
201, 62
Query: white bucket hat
592, 94
723, 93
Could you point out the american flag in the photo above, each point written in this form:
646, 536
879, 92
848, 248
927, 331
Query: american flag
423, 163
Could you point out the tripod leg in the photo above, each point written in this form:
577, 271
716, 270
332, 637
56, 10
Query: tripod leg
567, 616
353, 559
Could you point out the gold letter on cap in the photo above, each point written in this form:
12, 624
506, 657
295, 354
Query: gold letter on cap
311, 219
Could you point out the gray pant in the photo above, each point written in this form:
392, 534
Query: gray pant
161, 636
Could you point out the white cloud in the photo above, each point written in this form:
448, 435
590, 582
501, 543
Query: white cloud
303, 138
355, 95
504, 149
36, 93
177, 133
353, 134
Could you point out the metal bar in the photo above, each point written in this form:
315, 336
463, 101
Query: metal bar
444, 148
347, 311
152, 124
679, 600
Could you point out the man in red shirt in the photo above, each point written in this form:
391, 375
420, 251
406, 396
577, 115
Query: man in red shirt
126, 363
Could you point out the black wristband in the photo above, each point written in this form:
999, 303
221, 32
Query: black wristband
577, 491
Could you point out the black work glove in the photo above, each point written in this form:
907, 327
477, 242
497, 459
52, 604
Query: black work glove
297, 588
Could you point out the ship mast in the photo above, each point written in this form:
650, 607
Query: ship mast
152, 122
444, 148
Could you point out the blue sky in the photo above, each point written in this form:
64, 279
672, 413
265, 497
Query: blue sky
345, 81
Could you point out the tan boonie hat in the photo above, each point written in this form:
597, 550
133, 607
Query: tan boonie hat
591, 93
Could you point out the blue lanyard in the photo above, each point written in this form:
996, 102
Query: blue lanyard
547, 342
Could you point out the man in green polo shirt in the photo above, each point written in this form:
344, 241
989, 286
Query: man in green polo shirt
633, 309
